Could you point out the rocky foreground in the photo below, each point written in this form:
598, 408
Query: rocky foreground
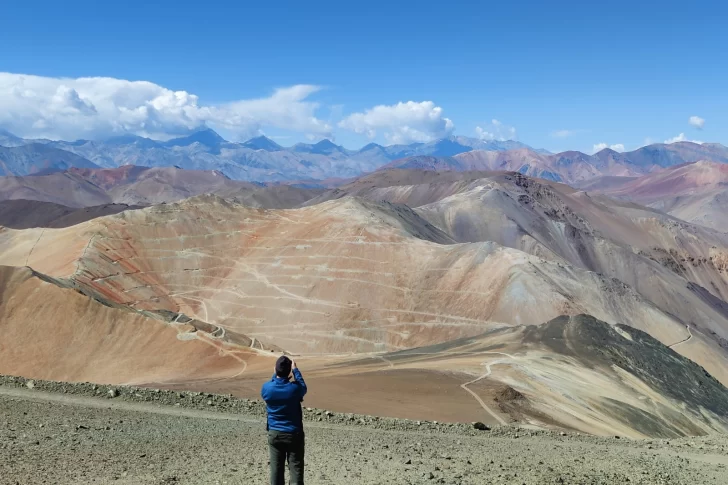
58, 433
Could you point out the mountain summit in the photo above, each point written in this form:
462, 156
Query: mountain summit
207, 138
262, 143
324, 147
7, 139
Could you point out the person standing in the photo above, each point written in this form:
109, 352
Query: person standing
286, 439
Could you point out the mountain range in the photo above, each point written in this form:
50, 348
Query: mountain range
143, 186
36, 158
572, 167
448, 280
258, 159
261, 159
592, 290
695, 192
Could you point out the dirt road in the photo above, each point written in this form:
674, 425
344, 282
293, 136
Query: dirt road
62, 438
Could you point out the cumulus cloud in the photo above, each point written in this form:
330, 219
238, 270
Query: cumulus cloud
697, 122
617, 147
401, 123
496, 130
675, 139
64, 108
681, 137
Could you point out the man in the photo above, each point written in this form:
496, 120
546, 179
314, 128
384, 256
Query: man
283, 399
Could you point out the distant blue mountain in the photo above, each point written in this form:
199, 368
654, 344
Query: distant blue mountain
7, 139
371, 147
678, 153
37, 158
262, 143
324, 147
447, 147
450, 146
139, 141
263, 160
207, 138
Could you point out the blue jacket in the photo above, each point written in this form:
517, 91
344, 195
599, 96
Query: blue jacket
283, 402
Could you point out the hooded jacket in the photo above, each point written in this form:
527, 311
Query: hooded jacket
283, 403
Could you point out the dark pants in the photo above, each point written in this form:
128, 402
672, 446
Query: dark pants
284, 446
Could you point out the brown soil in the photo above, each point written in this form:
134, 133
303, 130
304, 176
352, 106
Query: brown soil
66, 439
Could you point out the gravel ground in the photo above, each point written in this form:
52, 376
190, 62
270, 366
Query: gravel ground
56, 433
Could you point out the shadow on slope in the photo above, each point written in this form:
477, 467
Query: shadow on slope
596, 344
25, 214
144, 186
575, 373
660, 257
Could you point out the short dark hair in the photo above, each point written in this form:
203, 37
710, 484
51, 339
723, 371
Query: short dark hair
283, 366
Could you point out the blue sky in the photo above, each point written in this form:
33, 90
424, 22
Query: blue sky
560, 75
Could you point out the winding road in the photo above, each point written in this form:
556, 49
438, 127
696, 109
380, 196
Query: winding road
488, 367
488, 372
690, 335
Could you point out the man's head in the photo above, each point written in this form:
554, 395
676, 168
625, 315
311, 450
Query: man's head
283, 366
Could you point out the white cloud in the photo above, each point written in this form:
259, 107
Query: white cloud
496, 130
617, 147
675, 139
681, 137
697, 122
401, 123
563, 133
64, 108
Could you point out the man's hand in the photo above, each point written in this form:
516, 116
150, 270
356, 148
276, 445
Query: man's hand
293, 364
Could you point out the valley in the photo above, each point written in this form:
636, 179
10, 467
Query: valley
443, 292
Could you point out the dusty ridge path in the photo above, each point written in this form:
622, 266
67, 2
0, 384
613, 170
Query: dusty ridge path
687, 339
118, 405
488, 368
56, 438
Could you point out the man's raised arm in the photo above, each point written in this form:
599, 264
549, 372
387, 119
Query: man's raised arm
299, 379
